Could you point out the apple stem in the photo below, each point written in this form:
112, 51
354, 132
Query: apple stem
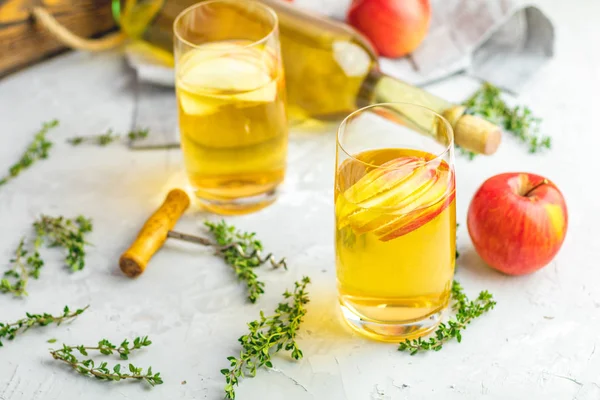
544, 182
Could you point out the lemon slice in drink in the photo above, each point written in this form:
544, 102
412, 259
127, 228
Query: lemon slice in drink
219, 74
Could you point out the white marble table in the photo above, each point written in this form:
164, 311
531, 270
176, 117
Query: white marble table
540, 341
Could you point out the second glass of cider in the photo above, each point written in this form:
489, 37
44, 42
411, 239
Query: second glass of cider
231, 102
395, 220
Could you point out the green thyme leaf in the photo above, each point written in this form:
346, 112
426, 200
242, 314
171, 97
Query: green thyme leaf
103, 371
37, 150
66, 233
268, 335
10, 330
109, 137
466, 311
519, 121
242, 251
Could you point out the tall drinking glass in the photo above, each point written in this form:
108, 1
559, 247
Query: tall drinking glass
231, 102
395, 219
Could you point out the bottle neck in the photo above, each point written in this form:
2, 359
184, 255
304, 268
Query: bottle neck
379, 87
470, 132
134, 16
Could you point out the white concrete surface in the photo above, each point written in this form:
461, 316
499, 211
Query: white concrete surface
539, 343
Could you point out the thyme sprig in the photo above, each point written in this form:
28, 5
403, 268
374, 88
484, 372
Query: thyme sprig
101, 371
138, 134
66, 233
25, 264
242, 251
269, 335
37, 150
10, 330
109, 137
466, 311
487, 102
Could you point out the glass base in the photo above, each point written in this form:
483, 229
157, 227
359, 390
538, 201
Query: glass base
239, 206
390, 331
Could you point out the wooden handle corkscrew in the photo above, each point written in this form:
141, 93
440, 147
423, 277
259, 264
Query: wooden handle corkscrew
153, 234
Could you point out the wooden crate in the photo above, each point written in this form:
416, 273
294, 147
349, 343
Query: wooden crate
23, 42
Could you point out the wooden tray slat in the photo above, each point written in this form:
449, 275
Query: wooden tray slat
22, 42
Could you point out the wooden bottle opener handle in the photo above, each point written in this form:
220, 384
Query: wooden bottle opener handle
153, 234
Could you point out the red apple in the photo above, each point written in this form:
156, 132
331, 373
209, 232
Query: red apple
518, 222
395, 27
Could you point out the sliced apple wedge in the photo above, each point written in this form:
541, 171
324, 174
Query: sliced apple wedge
195, 105
393, 200
420, 216
381, 180
375, 188
384, 207
215, 75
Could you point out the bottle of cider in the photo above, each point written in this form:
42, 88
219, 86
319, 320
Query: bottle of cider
330, 69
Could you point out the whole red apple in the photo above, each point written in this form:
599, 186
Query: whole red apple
518, 222
395, 27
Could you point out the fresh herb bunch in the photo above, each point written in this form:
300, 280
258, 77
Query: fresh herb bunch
66, 233
11, 329
101, 140
487, 102
138, 134
37, 150
269, 335
25, 264
102, 371
108, 137
466, 311
242, 251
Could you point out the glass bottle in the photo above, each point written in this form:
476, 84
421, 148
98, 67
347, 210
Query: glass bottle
331, 69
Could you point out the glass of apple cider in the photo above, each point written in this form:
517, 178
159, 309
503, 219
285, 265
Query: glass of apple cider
231, 102
395, 219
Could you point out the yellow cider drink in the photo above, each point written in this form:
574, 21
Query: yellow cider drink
395, 220
232, 121
231, 103
395, 230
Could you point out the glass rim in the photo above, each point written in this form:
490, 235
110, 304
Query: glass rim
447, 150
269, 10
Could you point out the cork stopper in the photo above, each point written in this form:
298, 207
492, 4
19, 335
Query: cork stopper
473, 133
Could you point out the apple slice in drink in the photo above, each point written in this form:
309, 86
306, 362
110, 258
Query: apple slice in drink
372, 201
397, 198
428, 206
216, 75
373, 187
379, 182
